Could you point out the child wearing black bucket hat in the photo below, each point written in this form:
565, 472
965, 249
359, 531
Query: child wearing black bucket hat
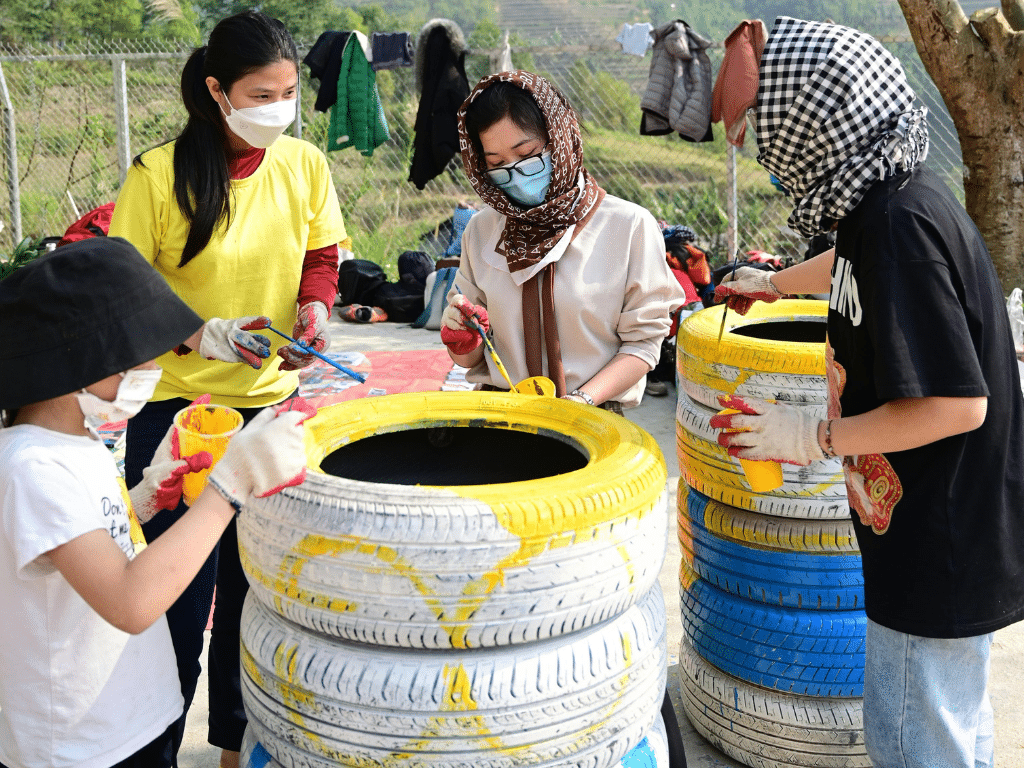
87, 669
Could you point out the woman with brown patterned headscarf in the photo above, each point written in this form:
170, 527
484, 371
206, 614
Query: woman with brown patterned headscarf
571, 282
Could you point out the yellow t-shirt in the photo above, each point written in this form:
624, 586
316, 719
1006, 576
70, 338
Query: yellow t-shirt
288, 206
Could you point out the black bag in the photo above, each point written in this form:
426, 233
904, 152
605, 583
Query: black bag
403, 301
358, 281
414, 266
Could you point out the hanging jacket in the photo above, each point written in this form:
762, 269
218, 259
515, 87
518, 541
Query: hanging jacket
357, 117
678, 94
324, 62
736, 85
443, 86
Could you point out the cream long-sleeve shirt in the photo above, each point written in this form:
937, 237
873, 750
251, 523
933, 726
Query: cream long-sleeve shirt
614, 293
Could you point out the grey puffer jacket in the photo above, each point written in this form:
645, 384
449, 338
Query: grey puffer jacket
678, 95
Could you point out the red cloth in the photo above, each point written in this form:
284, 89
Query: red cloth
393, 371
736, 85
95, 223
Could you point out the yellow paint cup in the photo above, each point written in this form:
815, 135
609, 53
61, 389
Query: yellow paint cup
204, 428
762, 476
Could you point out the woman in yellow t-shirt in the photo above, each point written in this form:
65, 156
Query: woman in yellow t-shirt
244, 224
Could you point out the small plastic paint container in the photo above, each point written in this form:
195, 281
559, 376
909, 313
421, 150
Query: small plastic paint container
204, 428
762, 476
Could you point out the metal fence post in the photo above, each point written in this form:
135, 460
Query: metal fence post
11, 148
732, 237
124, 150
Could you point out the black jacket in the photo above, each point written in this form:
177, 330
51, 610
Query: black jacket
441, 77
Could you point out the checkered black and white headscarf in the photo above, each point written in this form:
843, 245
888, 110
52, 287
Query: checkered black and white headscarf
834, 116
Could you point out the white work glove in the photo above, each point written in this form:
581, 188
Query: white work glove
267, 455
160, 487
458, 331
748, 285
231, 341
310, 329
764, 431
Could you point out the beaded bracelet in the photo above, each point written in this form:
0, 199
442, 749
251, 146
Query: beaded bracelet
586, 398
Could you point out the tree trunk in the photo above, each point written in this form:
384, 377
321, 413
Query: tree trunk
978, 68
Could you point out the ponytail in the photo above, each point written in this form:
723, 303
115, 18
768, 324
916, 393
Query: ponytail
202, 180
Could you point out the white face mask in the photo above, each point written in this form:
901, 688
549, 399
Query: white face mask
134, 391
260, 126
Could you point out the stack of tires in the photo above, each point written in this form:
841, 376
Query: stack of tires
771, 589
463, 579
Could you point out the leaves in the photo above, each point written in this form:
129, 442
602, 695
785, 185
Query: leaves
25, 251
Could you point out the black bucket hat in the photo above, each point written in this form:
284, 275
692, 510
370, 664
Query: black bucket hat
82, 313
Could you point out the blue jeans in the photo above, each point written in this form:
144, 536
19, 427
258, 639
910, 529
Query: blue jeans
926, 701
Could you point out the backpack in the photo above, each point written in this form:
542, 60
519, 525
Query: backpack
414, 266
358, 281
438, 285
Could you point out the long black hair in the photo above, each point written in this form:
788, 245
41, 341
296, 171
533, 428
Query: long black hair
238, 45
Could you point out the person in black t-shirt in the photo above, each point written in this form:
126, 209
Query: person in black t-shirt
925, 404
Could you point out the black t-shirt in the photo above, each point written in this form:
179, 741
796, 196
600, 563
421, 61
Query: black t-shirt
916, 310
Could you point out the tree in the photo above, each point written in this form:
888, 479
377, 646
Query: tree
978, 66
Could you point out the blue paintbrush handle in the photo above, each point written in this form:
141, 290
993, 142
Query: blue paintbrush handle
357, 376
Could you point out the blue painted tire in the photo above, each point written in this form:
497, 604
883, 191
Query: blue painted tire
802, 580
812, 653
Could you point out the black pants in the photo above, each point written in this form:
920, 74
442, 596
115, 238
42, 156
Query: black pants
188, 616
161, 752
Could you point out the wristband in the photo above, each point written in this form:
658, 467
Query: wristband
586, 398
235, 505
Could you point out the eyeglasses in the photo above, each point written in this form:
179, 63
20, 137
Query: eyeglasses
528, 166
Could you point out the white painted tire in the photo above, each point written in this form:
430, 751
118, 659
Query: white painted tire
651, 752
817, 491
769, 729
472, 566
583, 700
770, 368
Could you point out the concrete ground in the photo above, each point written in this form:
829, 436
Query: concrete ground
657, 416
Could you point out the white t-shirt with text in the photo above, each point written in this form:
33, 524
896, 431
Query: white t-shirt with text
74, 690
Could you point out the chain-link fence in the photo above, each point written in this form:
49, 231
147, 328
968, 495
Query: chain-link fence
78, 116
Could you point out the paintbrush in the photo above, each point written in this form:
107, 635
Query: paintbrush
306, 348
725, 308
493, 351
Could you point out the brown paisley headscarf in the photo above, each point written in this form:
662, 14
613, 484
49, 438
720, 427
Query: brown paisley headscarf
530, 233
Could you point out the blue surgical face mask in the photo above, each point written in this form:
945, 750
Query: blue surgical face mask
529, 191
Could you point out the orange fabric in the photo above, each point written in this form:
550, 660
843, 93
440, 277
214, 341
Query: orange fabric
735, 88
697, 265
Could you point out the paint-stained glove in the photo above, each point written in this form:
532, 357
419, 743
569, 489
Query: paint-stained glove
457, 329
310, 329
764, 431
748, 285
267, 455
231, 341
160, 487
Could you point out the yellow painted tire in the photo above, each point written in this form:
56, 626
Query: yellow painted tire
766, 532
584, 700
472, 566
769, 368
817, 491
